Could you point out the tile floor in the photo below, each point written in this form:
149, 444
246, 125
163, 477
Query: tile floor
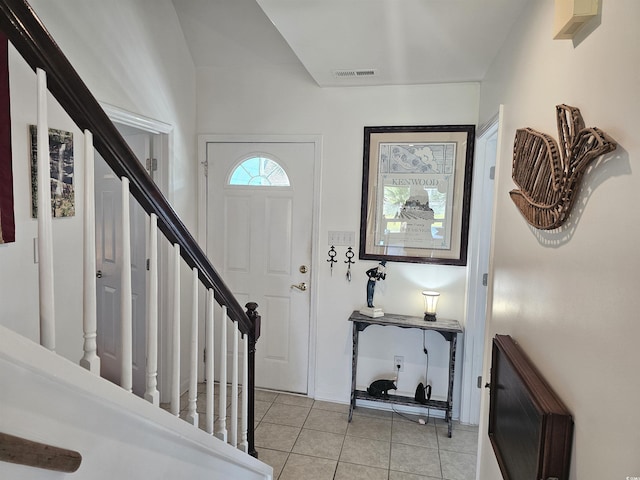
303, 439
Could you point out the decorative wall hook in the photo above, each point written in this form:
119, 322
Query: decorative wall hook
548, 175
332, 258
350, 254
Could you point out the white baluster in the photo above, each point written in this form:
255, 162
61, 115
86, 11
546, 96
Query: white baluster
244, 444
126, 298
175, 340
45, 236
209, 362
192, 416
234, 388
151, 394
90, 359
221, 432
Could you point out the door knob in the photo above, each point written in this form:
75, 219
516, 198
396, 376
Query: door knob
301, 286
99, 274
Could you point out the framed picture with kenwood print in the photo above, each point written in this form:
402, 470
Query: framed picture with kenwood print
416, 193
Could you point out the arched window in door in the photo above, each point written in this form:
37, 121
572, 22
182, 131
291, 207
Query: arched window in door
259, 171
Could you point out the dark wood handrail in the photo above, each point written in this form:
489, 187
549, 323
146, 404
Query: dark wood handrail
40, 455
29, 36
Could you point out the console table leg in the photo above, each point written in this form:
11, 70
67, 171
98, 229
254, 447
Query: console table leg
354, 367
452, 366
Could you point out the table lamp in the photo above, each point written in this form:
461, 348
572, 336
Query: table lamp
430, 303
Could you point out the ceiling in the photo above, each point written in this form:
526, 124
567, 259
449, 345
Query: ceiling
352, 42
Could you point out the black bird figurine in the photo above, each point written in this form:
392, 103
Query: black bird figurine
548, 176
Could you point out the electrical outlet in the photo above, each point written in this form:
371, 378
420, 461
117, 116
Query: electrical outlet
398, 360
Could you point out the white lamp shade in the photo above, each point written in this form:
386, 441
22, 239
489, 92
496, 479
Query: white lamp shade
430, 301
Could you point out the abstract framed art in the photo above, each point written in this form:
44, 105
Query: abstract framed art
61, 167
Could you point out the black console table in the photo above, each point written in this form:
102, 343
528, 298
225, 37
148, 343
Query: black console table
449, 329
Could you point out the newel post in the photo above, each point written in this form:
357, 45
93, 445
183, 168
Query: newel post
254, 334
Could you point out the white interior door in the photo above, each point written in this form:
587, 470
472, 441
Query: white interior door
109, 254
259, 239
480, 246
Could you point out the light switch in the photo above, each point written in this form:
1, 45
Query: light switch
345, 239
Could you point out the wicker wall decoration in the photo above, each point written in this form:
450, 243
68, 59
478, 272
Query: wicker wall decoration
548, 176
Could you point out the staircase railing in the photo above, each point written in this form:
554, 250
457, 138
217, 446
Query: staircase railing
28, 35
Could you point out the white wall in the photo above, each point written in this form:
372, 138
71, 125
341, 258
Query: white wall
282, 99
19, 287
131, 55
570, 297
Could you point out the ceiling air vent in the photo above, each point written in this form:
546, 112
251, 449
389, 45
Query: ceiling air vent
366, 72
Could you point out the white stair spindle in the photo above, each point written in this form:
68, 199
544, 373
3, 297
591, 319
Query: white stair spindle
221, 432
151, 393
126, 297
90, 359
175, 340
192, 415
45, 235
244, 444
234, 388
209, 362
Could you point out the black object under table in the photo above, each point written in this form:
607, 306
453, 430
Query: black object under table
449, 329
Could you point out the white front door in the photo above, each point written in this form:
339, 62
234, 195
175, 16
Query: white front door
259, 239
109, 253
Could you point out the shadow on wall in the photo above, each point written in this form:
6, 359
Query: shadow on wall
605, 167
588, 28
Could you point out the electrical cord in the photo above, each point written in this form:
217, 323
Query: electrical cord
393, 408
409, 418
426, 372
418, 421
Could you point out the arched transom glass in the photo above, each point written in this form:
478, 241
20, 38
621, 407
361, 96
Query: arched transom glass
259, 171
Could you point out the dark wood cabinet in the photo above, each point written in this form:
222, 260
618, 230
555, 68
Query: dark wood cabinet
530, 429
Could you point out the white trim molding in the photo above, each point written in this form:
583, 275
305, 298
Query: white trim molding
131, 119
